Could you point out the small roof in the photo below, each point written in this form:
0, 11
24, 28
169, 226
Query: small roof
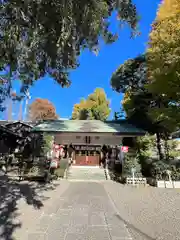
7, 122
4, 122
88, 126
25, 123
4, 129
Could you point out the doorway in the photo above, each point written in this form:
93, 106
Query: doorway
87, 158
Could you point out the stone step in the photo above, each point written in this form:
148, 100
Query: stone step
90, 173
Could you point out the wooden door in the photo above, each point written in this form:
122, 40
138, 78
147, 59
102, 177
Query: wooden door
85, 160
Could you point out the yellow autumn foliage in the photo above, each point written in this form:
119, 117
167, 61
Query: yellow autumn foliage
127, 102
126, 98
78, 107
168, 8
96, 104
163, 53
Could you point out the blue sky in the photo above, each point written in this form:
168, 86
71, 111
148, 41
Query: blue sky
96, 71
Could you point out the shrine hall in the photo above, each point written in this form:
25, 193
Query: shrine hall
88, 136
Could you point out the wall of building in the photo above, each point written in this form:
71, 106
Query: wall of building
80, 139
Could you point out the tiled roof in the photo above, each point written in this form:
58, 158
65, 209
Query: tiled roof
87, 126
4, 122
4, 129
7, 122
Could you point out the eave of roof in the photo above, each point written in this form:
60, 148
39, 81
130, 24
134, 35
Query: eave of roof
89, 126
5, 129
28, 124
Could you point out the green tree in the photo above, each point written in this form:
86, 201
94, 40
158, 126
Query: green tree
172, 148
81, 110
129, 163
47, 143
163, 59
130, 76
34, 43
4, 92
145, 147
131, 80
96, 106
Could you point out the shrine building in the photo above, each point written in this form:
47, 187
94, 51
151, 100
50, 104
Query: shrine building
88, 136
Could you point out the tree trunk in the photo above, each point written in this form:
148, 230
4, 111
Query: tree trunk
159, 146
166, 146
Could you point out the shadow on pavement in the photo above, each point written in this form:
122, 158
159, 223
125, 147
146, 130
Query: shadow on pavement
130, 226
11, 191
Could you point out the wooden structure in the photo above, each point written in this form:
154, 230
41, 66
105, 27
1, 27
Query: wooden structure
88, 136
87, 155
8, 140
15, 135
136, 181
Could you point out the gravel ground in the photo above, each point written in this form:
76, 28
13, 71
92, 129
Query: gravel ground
150, 213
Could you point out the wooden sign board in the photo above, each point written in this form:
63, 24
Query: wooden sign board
87, 148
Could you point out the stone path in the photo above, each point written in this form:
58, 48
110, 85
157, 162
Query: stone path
86, 173
83, 212
150, 213
88, 211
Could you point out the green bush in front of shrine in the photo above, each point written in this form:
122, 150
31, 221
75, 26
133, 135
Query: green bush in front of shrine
131, 162
60, 171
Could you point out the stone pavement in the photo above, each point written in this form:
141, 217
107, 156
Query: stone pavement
83, 212
150, 213
88, 211
86, 173
23, 203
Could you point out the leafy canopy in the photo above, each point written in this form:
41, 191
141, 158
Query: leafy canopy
146, 108
42, 109
47, 143
163, 56
96, 106
130, 76
41, 36
4, 92
130, 79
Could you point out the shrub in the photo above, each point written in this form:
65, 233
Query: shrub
158, 169
129, 163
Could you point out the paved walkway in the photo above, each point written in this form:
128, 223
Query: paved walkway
86, 173
87, 210
83, 212
150, 213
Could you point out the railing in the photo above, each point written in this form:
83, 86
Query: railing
106, 172
136, 181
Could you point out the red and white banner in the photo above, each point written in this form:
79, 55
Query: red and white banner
56, 146
124, 149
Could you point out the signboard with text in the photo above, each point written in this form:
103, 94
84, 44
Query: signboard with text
87, 148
